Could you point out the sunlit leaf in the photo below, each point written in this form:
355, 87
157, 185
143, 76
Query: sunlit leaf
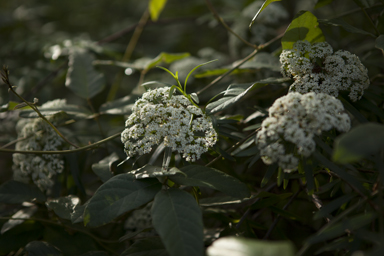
22, 214
63, 206
321, 3
119, 195
178, 220
208, 177
122, 106
239, 246
303, 27
166, 58
82, 78
149, 171
155, 8
363, 140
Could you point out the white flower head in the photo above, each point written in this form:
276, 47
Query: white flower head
315, 68
293, 121
37, 135
178, 123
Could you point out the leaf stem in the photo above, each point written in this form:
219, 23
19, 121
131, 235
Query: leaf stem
221, 21
5, 78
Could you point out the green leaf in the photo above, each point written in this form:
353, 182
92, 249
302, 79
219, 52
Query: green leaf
150, 171
303, 27
309, 177
120, 194
146, 247
379, 43
269, 199
334, 205
284, 213
270, 171
178, 220
263, 6
237, 91
362, 141
164, 57
14, 192
103, 169
64, 206
339, 229
239, 246
155, 8
38, 248
73, 111
339, 22
362, 3
82, 78
190, 72
23, 213
122, 106
354, 181
321, 3
208, 177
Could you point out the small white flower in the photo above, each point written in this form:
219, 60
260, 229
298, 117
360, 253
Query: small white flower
315, 68
293, 121
175, 121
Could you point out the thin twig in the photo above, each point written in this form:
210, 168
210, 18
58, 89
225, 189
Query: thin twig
250, 56
5, 78
278, 216
128, 53
221, 21
88, 147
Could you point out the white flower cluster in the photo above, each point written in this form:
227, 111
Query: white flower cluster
156, 117
37, 135
315, 68
293, 122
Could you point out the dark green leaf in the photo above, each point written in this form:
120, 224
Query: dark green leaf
339, 229
263, 6
362, 3
39, 248
120, 194
155, 8
284, 213
103, 169
321, 3
95, 253
178, 220
362, 141
122, 106
133, 234
237, 91
351, 109
82, 78
379, 43
14, 192
339, 22
64, 206
303, 27
146, 247
269, 199
354, 181
208, 177
334, 205
23, 214
309, 177
239, 246
270, 171
149, 171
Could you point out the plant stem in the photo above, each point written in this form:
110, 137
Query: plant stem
128, 53
88, 147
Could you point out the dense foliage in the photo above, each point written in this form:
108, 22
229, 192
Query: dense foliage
174, 128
